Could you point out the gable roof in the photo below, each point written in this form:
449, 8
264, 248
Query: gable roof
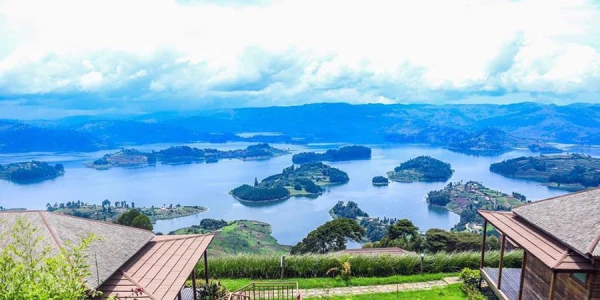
116, 244
573, 219
159, 270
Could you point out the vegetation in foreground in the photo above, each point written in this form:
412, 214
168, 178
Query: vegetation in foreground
33, 171
305, 180
342, 154
421, 168
267, 267
241, 236
449, 292
571, 171
465, 199
333, 282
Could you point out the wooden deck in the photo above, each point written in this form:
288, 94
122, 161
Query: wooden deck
511, 280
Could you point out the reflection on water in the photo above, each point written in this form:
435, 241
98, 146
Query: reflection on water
209, 184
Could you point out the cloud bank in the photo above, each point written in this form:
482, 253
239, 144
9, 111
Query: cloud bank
167, 55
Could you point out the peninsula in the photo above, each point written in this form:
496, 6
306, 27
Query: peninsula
28, 172
342, 154
183, 155
305, 180
422, 168
566, 171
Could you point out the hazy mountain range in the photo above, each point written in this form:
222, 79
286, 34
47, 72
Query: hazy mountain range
476, 127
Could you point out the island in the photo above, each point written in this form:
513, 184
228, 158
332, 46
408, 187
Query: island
380, 181
183, 155
375, 228
422, 168
305, 180
345, 153
544, 149
29, 172
109, 211
237, 237
349, 211
571, 172
465, 199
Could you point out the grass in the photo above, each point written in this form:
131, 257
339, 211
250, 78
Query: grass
327, 282
267, 267
449, 292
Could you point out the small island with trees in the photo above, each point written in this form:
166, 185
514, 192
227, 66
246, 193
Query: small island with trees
571, 172
380, 181
111, 211
183, 155
305, 180
465, 199
342, 154
29, 172
350, 211
422, 168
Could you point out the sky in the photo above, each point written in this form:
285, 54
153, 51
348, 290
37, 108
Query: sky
68, 57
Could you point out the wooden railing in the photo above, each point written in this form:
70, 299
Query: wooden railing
266, 290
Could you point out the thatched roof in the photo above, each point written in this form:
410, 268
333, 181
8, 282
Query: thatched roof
116, 244
573, 219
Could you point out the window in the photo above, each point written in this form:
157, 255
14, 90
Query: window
581, 277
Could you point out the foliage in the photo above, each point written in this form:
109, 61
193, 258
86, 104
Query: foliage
470, 282
350, 210
142, 222
212, 290
250, 193
136, 219
422, 168
380, 180
439, 198
310, 266
30, 270
31, 171
437, 240
212, 224
330, 236
344, 153
343, 269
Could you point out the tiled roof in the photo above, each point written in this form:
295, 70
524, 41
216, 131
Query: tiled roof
116, 244
550, 251
159, 270
573, 219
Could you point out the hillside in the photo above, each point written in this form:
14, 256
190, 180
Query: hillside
421, 168
342, 154
305, 180
571, 171
241, 236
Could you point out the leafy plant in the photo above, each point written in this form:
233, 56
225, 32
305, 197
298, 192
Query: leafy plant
470, 281
212, 290
344, 269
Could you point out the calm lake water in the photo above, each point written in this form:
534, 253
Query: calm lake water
208, 185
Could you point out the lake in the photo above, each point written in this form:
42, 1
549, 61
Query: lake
208, 185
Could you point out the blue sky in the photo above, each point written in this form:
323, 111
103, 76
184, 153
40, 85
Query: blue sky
66, 57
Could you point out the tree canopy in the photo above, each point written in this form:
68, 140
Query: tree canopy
330, 236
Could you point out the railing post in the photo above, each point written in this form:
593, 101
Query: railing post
282, 266
483, 244
523, 266
205, 267
194, 292
501, 262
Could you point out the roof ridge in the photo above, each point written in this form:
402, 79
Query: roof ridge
595, 243
137, 284
103, 222
556, 197
55, 237
169, 238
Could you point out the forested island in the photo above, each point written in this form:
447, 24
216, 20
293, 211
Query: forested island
350, 211
110, 211
28, 172
465, 199
380, 181
543, 149
305, 180
182, 155
236, 237
422, 168
344, 153
569, 171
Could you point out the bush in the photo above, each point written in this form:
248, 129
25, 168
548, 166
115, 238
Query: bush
470, 282
308, 266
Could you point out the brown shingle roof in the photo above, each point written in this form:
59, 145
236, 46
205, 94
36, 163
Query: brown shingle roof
550, 251
116, 244
574, 219
159, 270
370, 251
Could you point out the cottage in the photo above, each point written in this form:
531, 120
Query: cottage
559, 238
126, 262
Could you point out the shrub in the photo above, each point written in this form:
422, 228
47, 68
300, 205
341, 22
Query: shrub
470, 281
212, 290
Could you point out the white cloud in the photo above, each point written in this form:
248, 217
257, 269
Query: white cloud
286, 52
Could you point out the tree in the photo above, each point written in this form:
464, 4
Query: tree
127, 217
403, 229
330, 236
30, 270
142, 222
255, 181
436, 240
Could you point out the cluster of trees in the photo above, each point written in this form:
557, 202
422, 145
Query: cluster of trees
429, 169
308, 185
519, 196
336, 175
135, 219
512, 166
34, 170
439, 198
344, 153
380, 180
578, 175
212, 224
331, 236
259, 193
350, 210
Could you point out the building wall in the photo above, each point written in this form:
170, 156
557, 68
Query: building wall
538, 276
595, 282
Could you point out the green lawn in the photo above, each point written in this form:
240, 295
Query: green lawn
449, 292
312, 283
